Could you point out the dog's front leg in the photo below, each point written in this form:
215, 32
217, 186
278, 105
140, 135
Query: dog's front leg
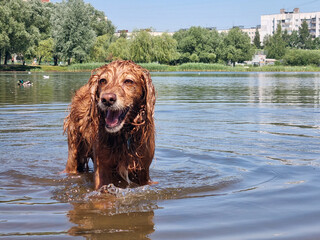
72, 163
102, 170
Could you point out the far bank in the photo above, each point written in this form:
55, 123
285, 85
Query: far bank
155, 67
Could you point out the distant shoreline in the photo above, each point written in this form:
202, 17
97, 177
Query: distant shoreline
155, 67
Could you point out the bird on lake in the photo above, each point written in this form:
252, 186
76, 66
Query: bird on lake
24, 84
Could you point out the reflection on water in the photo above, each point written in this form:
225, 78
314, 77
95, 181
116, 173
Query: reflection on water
237, 157
91, 220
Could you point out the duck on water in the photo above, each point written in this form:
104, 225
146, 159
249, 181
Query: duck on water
24, 84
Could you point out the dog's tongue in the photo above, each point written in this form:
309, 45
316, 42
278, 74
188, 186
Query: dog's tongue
112, 118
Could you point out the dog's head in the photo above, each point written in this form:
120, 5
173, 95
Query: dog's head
123, 93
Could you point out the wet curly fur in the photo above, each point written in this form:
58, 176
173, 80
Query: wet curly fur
111, 122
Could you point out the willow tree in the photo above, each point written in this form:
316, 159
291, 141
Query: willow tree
119, 50
99, 51
141, 47
165, 49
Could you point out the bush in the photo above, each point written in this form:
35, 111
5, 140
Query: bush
194, 58
207, 67
300, 57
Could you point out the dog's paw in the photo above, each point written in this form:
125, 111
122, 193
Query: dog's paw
109, 189
150, 183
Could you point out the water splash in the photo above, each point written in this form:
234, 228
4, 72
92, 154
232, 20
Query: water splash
107, 191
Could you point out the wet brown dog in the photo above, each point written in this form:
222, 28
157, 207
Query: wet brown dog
111, 122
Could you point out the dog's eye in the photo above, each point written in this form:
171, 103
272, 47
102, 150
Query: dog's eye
103, 81
128, 81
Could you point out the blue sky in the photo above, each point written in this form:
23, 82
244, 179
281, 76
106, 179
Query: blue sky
172, 15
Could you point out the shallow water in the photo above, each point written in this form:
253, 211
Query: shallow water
237, 157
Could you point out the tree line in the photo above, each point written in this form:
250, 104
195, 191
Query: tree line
58, 31
74, 31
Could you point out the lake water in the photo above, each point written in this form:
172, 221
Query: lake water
237, 157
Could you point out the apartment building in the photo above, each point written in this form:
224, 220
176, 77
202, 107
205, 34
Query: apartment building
250, 31
290, 21
152, 33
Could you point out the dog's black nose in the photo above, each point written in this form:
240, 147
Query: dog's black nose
108, 99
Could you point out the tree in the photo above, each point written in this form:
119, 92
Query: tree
293, 39
197, 40
99, 22
141, 47
13, 30
165, 49
237, 46
232, 54
44, 50
4, 38
72, 31
286, 37
275, 45
119, 49
57, 32
209, 51
22, 26
99, 50
316, 43
304, 36
256, 40
123, 34
40, 14
37, 20
194, 58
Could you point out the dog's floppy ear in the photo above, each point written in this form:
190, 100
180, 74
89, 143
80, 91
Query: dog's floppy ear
150, 95
93, 85
93, 82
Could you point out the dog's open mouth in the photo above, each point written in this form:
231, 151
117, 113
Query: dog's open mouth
114, 119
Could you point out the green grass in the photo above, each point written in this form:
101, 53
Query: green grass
208, 67
282, 68
49, 68
18, 67
84, 66
155, 67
